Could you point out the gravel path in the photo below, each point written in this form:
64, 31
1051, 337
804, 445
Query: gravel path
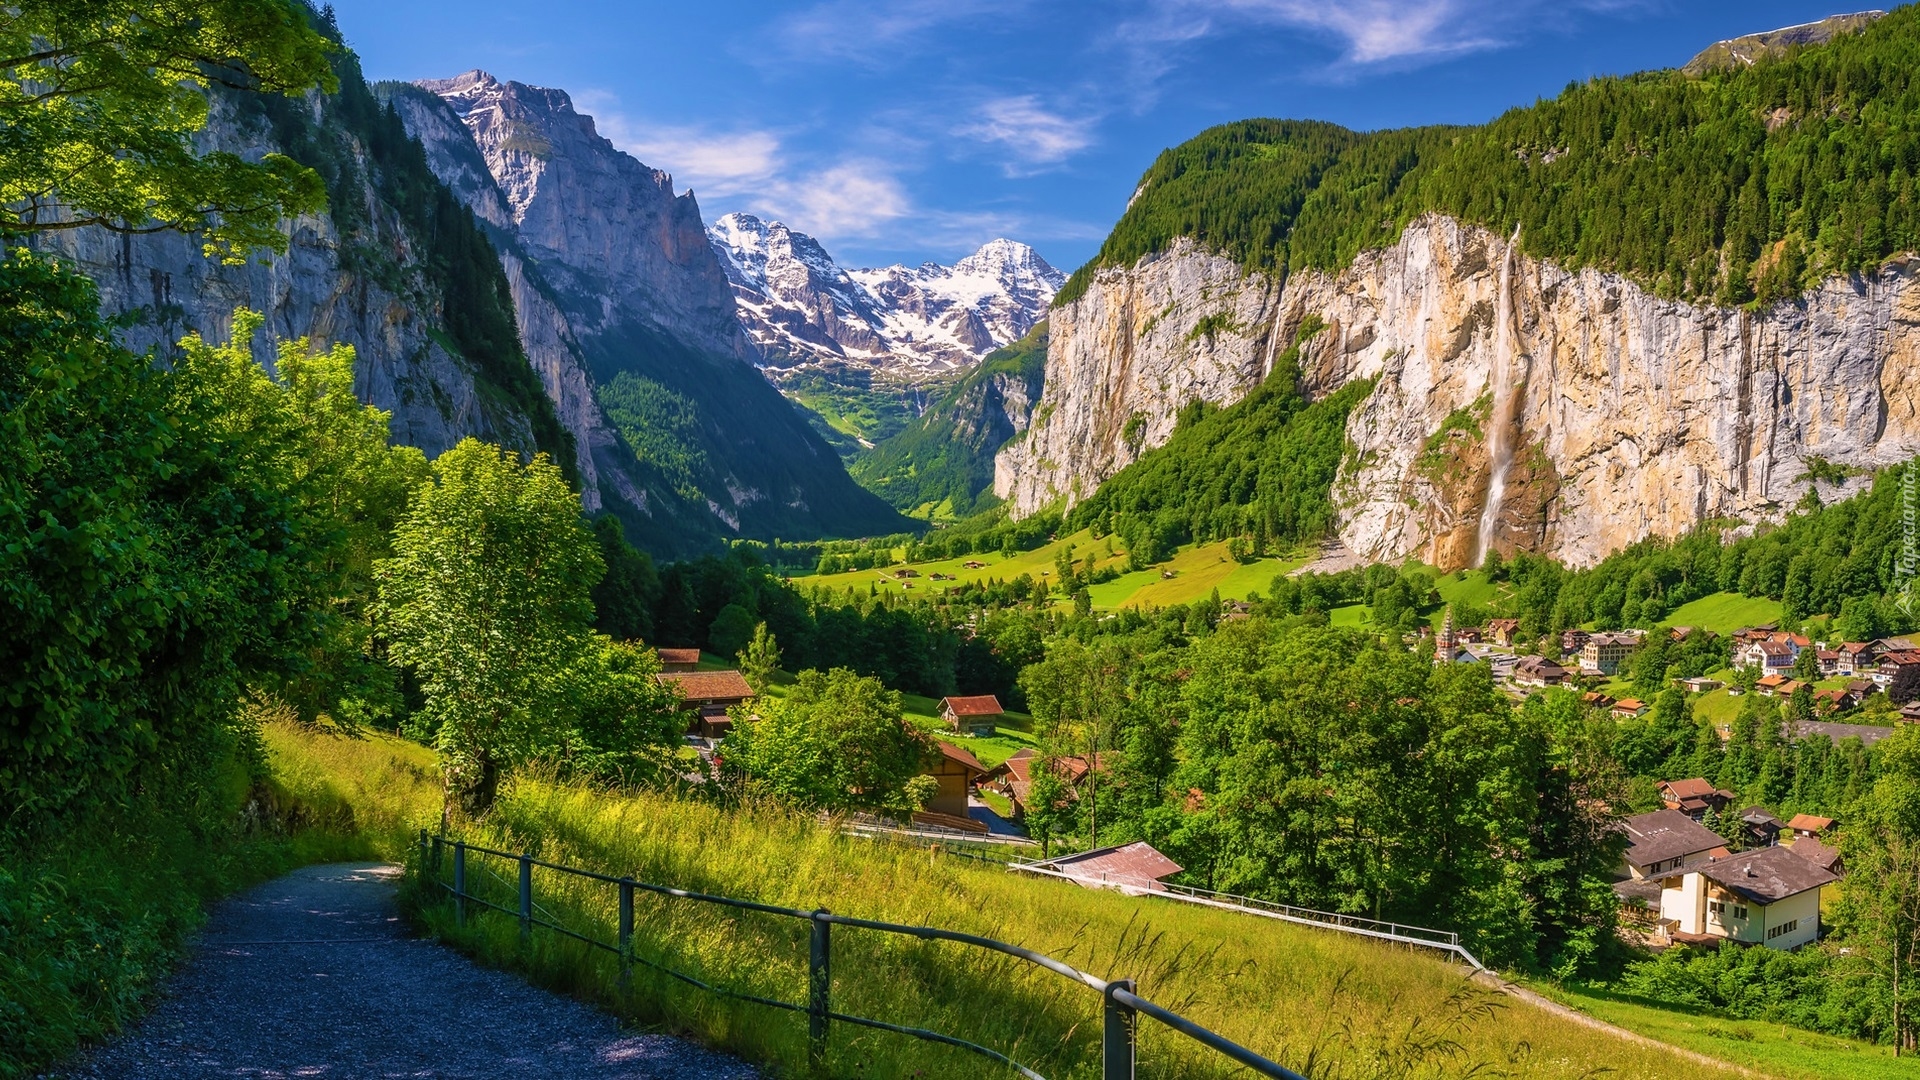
313, 975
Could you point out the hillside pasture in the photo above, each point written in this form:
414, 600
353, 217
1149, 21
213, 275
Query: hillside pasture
1344, 1006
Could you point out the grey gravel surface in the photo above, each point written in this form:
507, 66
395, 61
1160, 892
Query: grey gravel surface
314, 976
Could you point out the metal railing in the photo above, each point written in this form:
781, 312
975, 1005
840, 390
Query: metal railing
1121, 1007
1403, 933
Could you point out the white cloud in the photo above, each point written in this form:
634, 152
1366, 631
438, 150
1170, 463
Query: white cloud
712, 162
1383, 30
1037, 136
848, 199
871, 32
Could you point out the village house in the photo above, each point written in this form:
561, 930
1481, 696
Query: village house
1819, 854
1627, 706
1828, 662
1910, 713
1767, 897
977, 715
1666, 840
1857, 658
1699, 684
1769, 656
1538, 671
1809, 826
1777, 686
1594, 699
678, 659
1602, 653
1693, 797
1572, 641
1761, 828
1828, 702
1899, 675
708, 695
954, 773
1503, 631
1750, 634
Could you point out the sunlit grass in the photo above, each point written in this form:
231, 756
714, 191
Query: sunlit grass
1331, 1005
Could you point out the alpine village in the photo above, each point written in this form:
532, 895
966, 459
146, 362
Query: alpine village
1427, 601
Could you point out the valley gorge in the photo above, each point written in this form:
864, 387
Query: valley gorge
1635, 416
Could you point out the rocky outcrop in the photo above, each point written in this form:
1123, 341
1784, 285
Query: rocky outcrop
618, 291
1744, 50
1125, 356
1630, 416
608, 232
546, 336
166, 287
801, 308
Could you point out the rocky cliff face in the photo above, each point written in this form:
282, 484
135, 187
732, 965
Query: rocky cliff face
167, 288
546, 336
1574, 416
1124, 358
801, 308
607, 231
619, 293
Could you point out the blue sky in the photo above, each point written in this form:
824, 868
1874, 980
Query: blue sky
905, 130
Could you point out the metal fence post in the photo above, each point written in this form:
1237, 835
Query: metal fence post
435, 857
460, 882
526, 897
626, 931
819, 978
1116, 1039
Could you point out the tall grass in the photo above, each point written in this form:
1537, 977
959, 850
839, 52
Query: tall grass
1333, 1006
95, 909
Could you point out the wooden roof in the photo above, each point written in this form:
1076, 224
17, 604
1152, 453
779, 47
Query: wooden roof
679, 656
955, 754
1137, 865
707, 685
978, 705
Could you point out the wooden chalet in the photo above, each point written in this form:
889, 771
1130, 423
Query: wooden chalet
976, 715
708, 695
956, 772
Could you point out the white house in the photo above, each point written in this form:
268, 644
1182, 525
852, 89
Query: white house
1766, 897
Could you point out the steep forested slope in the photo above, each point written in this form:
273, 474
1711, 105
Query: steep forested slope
1736, 184
943, 462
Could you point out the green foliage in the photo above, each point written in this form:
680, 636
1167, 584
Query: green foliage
1430, 799
836, 741
623, 600
944, 458
662, 428
1738, 185
172, 537
1262, 467
103, 99
847, 408
760, 658
488, 598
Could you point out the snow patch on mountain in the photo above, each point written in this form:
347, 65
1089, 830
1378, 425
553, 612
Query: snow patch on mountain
802, 309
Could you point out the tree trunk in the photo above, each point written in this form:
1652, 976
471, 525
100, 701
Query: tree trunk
471, 788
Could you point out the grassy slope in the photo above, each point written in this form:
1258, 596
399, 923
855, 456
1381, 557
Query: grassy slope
1288, 991
1198, 570
1776, 1049
1723, 613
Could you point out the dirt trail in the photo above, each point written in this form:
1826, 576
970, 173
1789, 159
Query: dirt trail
314, 975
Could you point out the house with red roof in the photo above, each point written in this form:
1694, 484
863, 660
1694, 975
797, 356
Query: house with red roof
976, 715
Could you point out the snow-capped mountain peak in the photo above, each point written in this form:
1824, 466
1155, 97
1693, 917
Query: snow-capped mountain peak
802, 308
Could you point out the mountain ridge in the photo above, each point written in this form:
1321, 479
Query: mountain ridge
801, 308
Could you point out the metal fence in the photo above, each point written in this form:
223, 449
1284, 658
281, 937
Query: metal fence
1402, 933
1121, 1007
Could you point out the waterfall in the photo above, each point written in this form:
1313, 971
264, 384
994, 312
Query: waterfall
1501, 382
